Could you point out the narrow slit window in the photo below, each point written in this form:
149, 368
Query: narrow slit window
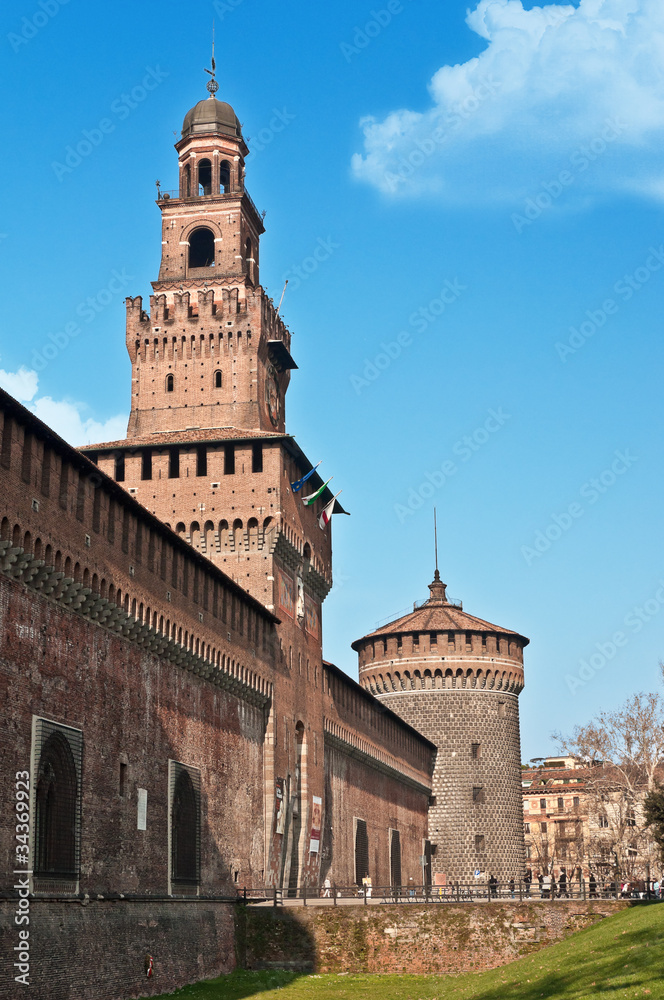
146, 464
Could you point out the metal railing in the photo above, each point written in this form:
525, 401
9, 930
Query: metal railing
175, 195
458, 892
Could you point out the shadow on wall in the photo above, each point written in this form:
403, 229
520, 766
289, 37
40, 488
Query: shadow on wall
270, 938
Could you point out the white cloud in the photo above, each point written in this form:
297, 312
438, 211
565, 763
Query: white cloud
554, 83
22, 385
63, 416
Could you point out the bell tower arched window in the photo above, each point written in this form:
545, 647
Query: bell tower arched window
224, 177
201, 248
204, 177
217, 379
169, 383
186, 181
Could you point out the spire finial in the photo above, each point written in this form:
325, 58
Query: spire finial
437, 589
212, 84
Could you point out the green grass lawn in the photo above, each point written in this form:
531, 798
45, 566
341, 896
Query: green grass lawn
623, 956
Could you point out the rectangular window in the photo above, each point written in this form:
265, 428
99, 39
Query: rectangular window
543, 827
146, 463
173, 463
561, 805
479, 842
542, 803
604, 821
201, 460
229, 460
576, 801
257, 458
361, 851
478, 794
475, 751
502, 710
123, 779
526, 827
120, 467
184, 809
58, 756
529, 851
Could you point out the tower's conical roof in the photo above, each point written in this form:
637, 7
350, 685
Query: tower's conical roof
438, 614
211, 115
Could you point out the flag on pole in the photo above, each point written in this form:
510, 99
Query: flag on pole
308, 501
297, 486
327, 511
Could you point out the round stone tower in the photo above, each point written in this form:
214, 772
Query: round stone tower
457, 679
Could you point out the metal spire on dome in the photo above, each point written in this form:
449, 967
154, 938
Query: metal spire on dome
212, 84
438, 589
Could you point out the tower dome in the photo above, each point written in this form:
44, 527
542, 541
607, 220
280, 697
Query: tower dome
456, 678
211, 115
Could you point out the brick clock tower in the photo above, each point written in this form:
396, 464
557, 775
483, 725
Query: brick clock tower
207, 451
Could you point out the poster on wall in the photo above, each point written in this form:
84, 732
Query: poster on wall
311, 617
286, 594
280, 806
316, 816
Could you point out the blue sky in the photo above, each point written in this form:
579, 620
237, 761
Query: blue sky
484, 333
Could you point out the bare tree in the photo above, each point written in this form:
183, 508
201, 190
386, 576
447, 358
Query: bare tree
624, 752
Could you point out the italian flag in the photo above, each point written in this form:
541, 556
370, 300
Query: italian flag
308, 501
327, 511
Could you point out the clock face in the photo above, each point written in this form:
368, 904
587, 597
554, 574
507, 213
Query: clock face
273, 396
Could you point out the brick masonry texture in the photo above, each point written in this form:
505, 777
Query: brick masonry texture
409, 938
96, 950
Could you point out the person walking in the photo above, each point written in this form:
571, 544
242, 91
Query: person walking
546, 886
562, 883
592, 886
493, 886
527, 881
510, 886
327, 885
